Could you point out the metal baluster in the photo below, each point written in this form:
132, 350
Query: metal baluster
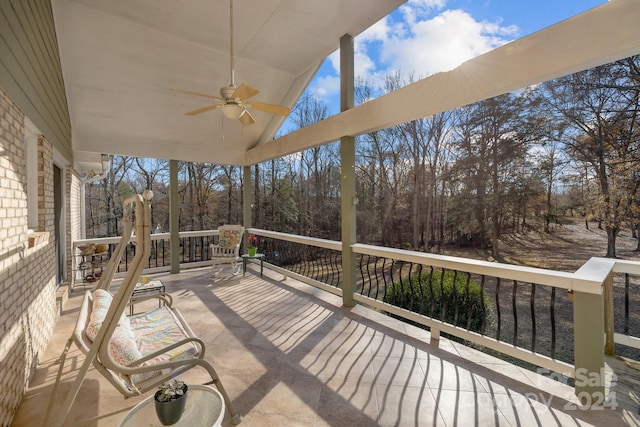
433, 296
533, 317
484, 309
626, 303
498, 308
384, 277
553, 322
443, 305
364, 281
412, 292
469, 313
421, 288
400, 282
335, 269
393, 261
455, 297
515, 312
369, 279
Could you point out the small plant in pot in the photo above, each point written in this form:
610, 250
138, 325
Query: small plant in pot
252, 240
170, 400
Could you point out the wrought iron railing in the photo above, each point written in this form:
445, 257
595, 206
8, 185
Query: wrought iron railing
307, 258
194, 252
521, 315
525, 313
625, 307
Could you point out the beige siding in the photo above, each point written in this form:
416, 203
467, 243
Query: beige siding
30, 70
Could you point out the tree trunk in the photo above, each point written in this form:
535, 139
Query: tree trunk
612, 233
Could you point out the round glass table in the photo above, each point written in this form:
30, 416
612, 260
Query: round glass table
205, 407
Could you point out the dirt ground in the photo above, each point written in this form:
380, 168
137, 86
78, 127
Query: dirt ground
567, 248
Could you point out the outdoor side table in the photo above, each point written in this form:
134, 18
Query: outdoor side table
205, 407
142, 289
246, 257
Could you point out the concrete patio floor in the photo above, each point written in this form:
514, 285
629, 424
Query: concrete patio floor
291, 355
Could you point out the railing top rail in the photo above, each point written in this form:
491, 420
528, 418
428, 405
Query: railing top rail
626, 266
99, 240
157, 236
311, 241
589, 278
541, 276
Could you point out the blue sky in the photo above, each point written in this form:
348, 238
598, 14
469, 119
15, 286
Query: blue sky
430, 36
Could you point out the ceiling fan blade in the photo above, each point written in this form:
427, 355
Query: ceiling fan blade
269, 108
190, 92
245, 92
246, 118
201, 110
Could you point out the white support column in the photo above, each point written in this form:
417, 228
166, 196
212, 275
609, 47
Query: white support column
589, 360
174, 215
348, 174
247, 197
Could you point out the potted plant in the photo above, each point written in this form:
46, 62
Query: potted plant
170, 400
252, 240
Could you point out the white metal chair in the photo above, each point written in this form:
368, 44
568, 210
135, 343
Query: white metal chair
227, 250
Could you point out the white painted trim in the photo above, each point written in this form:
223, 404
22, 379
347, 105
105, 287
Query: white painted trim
31, 133
309, 241
627, 340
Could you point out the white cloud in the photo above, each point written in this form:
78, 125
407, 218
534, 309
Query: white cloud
442, 43
327, 86
378, 31
425, 40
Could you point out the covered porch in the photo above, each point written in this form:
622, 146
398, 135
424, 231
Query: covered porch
291, 354
288, 353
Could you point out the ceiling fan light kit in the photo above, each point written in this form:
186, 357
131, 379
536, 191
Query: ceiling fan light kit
232, 111
233, 97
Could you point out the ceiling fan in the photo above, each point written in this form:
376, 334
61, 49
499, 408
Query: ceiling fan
234, 98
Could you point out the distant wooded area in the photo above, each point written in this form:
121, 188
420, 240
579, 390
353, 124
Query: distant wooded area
462, 177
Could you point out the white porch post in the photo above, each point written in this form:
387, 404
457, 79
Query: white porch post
247, 197
174, 212
588, 319
348, 174
589, 329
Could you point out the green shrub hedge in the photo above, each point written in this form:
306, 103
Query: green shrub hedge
426, 293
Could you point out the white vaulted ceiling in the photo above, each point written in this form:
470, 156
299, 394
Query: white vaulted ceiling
120, 58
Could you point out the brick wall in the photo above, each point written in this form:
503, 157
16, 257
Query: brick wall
28, 311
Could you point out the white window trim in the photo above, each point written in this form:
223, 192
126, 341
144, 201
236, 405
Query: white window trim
31, 134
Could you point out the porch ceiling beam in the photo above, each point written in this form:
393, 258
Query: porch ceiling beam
598, 36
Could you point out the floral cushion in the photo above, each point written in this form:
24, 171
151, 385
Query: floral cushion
122, 346
229, 239
101, 303
160, 328
140, 335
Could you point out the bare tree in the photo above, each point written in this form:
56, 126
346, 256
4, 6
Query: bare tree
493, 142
599, 108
